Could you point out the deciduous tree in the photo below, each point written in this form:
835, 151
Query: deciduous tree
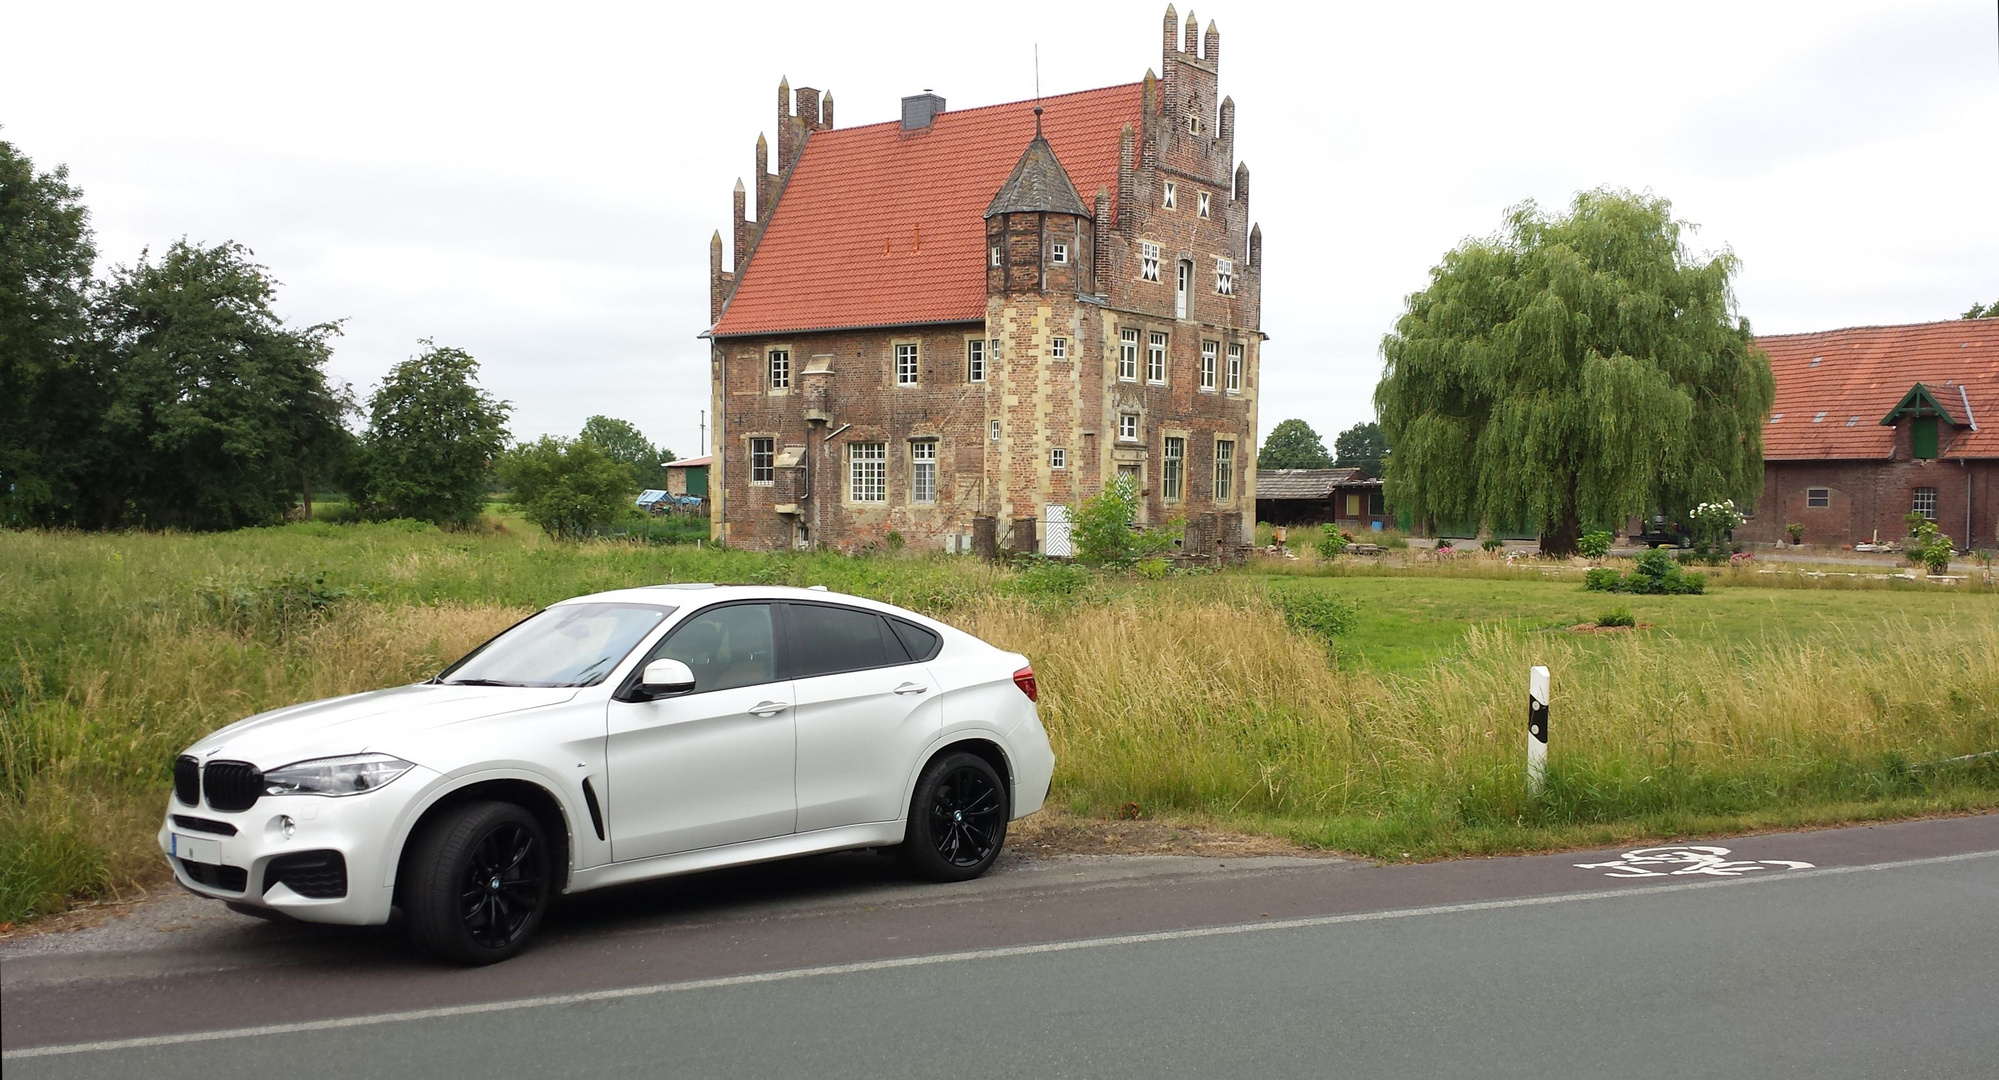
1293, 445
49, 404
624, 442
1573, 371
568, 487
432, 436
217, 413
1361, 447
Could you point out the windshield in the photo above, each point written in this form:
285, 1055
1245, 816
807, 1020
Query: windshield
567, 645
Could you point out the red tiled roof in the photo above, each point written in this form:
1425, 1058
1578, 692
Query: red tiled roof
842, 250
1833, 388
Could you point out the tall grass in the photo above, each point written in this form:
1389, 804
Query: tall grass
1215, 708
1188, 697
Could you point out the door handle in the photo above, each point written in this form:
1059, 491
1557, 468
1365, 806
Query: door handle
911, 688
768, 708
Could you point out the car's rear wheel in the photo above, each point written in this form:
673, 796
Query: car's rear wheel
957, 819
479, 883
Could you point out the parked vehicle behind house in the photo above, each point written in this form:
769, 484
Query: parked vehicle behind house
614, 738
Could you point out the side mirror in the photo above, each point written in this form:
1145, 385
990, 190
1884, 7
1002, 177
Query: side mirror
665, 678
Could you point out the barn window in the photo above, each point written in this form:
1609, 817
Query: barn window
1818, 498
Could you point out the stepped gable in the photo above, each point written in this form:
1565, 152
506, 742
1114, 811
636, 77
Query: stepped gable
878, 226
1834, 388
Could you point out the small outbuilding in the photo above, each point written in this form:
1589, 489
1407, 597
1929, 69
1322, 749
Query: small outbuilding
1341, 497
689, 476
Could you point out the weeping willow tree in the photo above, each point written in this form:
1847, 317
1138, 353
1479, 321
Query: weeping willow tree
1573, 371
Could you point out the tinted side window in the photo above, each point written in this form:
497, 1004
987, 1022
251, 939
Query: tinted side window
922, 644
829, 639
725, 647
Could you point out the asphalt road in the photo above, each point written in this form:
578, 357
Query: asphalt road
1869, 952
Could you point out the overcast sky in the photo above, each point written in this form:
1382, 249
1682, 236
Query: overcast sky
537, 184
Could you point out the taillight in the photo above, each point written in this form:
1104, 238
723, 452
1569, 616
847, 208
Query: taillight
1024, 678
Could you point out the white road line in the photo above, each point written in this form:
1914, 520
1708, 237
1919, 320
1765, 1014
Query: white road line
447, 1011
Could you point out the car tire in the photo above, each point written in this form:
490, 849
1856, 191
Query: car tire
957, 819
479, 883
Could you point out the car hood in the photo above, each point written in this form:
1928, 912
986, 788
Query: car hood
375, 721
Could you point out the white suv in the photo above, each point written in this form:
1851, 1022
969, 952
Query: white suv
612, 738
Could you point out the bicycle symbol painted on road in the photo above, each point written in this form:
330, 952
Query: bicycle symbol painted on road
1680, 861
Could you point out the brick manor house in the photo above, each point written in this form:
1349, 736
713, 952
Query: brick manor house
957, 325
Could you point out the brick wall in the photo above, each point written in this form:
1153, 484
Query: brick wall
1867, 498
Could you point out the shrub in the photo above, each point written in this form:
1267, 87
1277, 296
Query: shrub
1105, 535
1042, 578
1795, 532
1657, 573
1317, 613
1331, 542
1491, 543
896, 541
569, 488
1618, 617
273, 606
1594, 544
1928, 546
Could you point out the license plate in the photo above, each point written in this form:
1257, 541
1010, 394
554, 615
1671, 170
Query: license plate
197, 850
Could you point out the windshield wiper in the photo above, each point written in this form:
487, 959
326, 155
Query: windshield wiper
482, 682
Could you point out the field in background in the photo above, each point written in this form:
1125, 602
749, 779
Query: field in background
1190, 698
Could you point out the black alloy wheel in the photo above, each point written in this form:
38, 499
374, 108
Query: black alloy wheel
480, 883
957, 819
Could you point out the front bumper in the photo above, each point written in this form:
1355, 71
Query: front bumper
363, 829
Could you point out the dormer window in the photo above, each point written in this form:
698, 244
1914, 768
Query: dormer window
1203, 201
1172, 189
1058, 253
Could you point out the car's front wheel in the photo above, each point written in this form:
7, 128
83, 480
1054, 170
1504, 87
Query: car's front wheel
957, 819
479, 883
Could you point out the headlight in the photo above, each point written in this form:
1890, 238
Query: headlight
350, 775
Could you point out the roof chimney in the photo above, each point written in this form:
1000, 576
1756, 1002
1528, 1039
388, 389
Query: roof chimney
918, 110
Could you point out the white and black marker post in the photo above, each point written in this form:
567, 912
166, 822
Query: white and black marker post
1537, 728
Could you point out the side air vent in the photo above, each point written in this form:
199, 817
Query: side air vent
232, 785
318, 875
187, 780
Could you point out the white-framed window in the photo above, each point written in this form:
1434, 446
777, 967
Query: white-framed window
1224, 470
923, 472
905, 365
1127, 427
1148, 260
1925, 503
867, 472
1225, 277
992, 430
1209, 352
1203, 200
975, 360
1183, 283
992, 350
780, 369
1235, 369
1058, 348
1058, 252
1172, 190
1127, 356
1155, 358
1058, 457
1818, 498
996, 255
763, 459
1172, 467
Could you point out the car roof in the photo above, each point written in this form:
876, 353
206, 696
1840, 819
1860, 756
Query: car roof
702, 594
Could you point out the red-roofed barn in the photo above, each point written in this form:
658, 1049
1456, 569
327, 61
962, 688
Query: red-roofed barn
1876, 422
952, 326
